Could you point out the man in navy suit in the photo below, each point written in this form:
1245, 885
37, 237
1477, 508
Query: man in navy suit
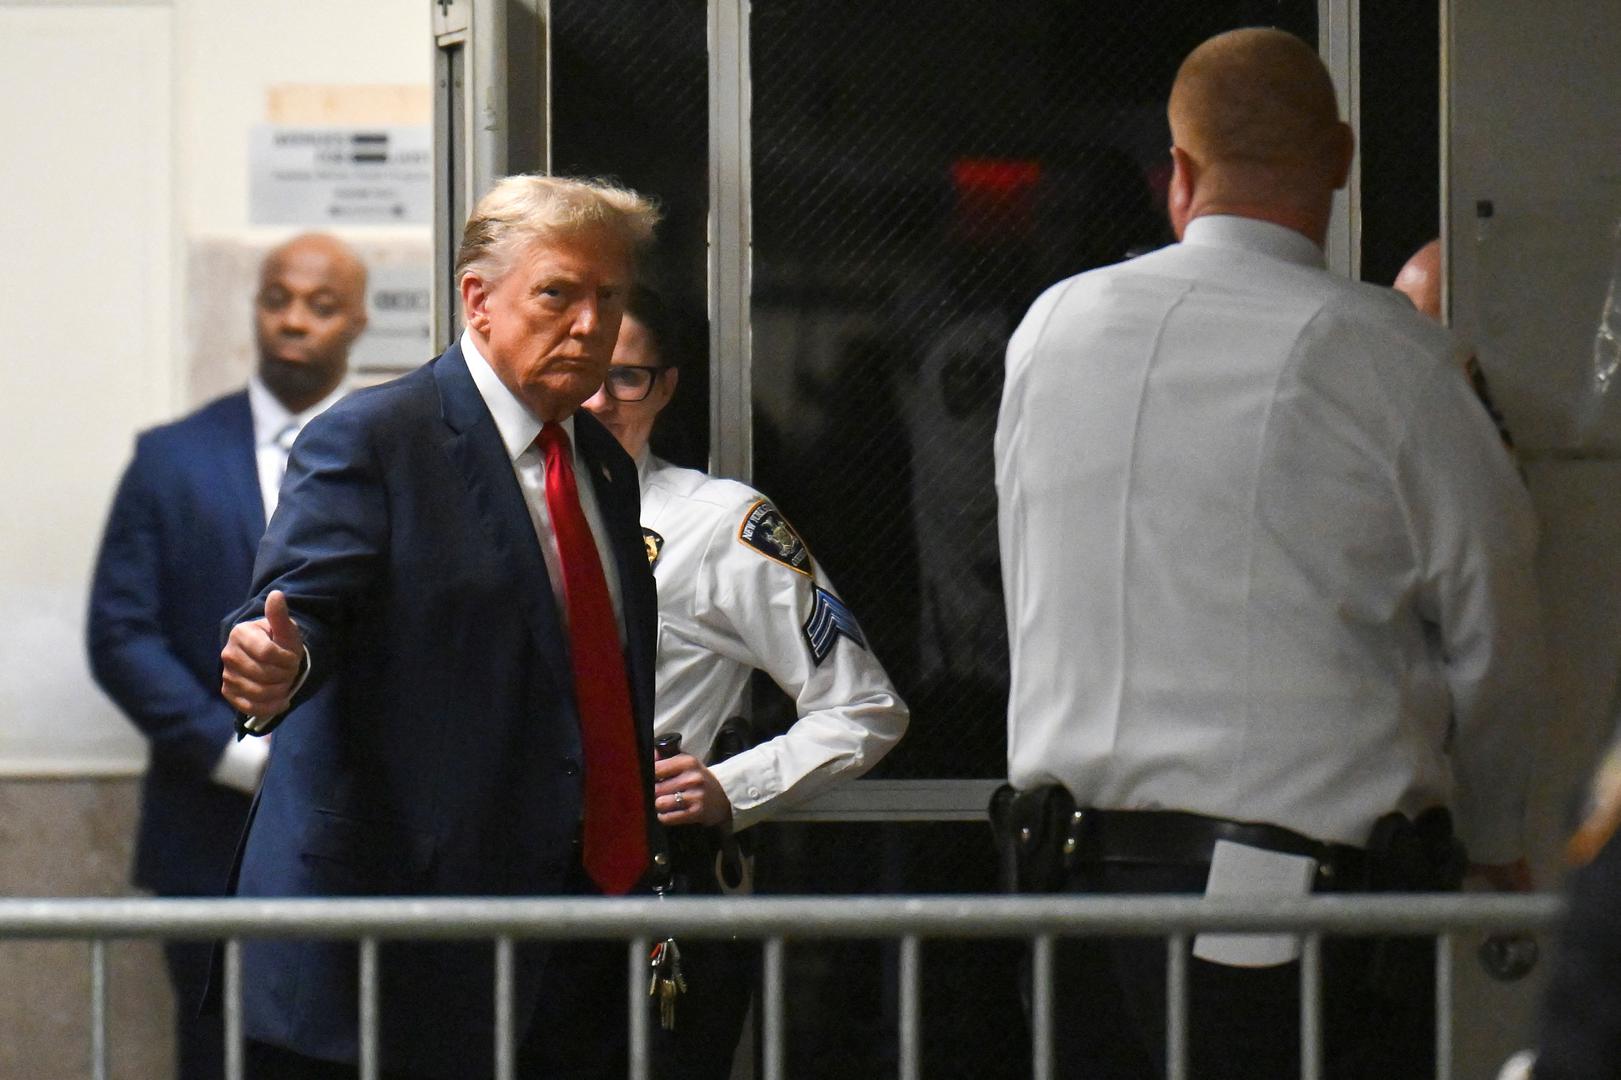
177, 556
453, 625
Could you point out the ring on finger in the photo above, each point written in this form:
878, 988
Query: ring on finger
679, 801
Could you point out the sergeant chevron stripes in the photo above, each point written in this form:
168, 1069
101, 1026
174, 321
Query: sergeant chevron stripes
829, 618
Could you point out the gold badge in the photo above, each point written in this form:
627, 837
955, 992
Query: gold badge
654, 543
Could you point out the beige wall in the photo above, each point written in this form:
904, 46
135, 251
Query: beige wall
126, 154
72, 838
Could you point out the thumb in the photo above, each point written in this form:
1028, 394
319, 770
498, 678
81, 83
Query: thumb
283, 631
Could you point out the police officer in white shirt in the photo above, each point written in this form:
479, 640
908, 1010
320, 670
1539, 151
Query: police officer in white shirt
1268, 575
738, 590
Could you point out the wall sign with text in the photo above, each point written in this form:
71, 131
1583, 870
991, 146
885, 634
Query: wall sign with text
340, 175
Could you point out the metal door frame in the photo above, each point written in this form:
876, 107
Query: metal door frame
486, 118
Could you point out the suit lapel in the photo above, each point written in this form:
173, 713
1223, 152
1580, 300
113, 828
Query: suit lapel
476, 450
240, 473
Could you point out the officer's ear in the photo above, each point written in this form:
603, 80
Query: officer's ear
664, 387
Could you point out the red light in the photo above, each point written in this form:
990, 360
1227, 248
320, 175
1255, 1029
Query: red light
994, 177
995, 199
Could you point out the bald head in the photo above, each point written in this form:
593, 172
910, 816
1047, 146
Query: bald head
1420, 279
310, 307
1257, 130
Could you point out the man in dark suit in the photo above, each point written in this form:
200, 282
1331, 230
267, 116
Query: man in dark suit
176, 557
454, 615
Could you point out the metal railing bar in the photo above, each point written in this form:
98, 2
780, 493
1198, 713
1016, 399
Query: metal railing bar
233, 1009
1176, 1007
1041, 1007
910, 1034
98, 1008
764, 917
638, 978
772, 1012
504, 1040
1443, 1006
368, 1008
1311, 1007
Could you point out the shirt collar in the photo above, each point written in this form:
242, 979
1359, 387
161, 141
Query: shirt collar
513, 420
271, 417
1248, 234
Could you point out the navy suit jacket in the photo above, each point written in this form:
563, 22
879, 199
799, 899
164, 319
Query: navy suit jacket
435, 748
176, 557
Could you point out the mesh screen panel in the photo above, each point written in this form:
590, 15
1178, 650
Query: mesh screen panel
1400, 133
630, 100
921, 173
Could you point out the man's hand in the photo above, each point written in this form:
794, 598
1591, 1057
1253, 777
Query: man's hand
1512, 877
686, 793
261, 661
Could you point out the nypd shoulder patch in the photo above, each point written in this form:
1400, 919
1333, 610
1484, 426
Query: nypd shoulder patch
829, 620
765, 530
654, 542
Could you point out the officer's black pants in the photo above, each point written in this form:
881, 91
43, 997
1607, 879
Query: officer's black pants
721, 976
1110, 1000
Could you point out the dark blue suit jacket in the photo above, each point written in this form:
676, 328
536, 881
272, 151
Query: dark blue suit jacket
435, 749
177, 556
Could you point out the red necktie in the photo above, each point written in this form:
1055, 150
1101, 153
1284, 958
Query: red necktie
615, 810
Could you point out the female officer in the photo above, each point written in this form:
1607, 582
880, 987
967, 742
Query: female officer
738, 590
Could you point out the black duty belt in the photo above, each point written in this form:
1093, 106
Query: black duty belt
1175, 836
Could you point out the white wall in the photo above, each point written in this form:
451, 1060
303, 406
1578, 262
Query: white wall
85, 104
1535, 93
126, 154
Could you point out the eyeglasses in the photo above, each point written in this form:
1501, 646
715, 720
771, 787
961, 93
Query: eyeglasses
631, 382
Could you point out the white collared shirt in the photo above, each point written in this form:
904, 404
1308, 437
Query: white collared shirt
1264, 556
518, 429
274, 429
727, 607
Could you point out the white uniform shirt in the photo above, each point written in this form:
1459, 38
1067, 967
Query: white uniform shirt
738, 591
1264, 555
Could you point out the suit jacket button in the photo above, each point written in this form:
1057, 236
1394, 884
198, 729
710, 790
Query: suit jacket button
570, 767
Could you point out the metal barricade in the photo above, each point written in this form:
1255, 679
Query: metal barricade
774, 920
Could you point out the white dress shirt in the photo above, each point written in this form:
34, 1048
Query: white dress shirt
727, 607
518, 428
274, 429
1263, 553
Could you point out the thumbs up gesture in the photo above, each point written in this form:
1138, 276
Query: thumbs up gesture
261, 661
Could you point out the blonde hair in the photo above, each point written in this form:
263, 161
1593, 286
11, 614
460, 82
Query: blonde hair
522, 210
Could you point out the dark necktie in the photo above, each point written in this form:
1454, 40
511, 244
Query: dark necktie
615, 809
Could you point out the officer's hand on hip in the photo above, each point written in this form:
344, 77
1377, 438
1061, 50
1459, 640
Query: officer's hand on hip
687, 793
261, 661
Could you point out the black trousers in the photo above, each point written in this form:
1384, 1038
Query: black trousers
580, 1029
721, 976
1110, 999
1580, 1036
199, 1041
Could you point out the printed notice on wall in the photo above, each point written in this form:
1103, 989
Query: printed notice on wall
397, 336
324, 176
